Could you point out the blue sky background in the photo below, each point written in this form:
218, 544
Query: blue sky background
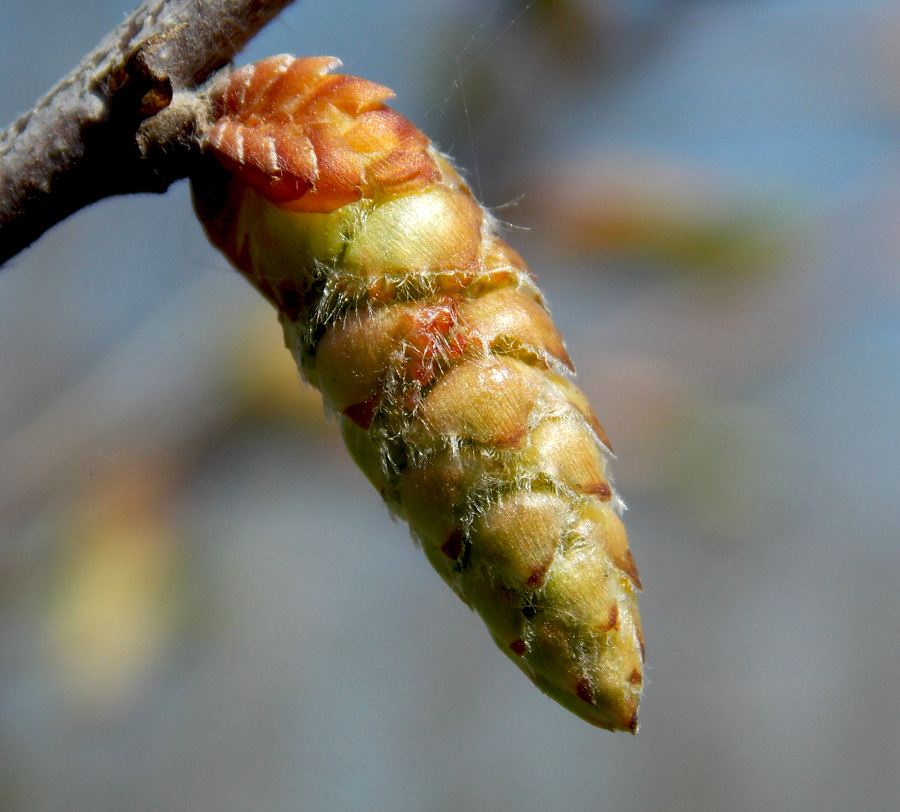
203, 605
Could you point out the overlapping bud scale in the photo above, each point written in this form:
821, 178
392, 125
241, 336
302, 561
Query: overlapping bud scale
428, 338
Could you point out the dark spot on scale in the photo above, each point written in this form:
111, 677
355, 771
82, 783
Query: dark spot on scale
584, 691
318, 332
518, 647
362, 413
538, 576
635, 677
529, 610
603, 491
452, 547
633, 722
292, 302
399, 457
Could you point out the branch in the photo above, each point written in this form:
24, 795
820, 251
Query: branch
124, 121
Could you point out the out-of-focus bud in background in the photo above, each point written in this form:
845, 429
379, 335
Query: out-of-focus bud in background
667, 215
117, 589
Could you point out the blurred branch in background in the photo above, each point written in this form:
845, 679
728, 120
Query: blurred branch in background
123, 121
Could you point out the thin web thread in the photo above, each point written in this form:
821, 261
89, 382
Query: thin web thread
466, 61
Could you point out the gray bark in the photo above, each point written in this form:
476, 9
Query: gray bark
126, 119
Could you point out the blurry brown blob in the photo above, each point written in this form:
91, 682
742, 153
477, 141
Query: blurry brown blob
573, 31
682, 217
113, 615
726, 462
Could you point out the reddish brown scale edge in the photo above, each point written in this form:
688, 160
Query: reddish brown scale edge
599, 489
612, 621
594, 423
627, 564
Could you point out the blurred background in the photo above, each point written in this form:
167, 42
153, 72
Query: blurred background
204, 606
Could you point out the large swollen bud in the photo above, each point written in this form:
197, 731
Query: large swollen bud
430, 341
